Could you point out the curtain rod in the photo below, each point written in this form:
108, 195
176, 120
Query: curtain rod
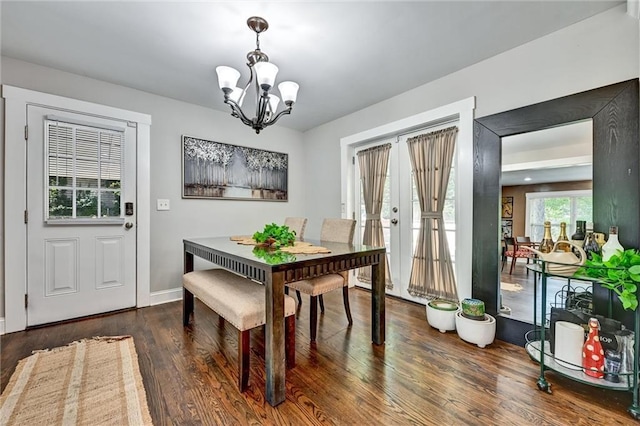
431, 125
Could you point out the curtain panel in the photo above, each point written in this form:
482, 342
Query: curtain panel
373, 164
431, 270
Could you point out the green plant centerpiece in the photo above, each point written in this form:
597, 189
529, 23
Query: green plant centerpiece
273, 257
275, 236
620, 273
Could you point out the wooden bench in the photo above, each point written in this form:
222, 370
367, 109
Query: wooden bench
241, 302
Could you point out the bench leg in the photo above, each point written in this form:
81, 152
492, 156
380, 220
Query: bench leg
314, 317
187, 306
244, 338
321, 300
290, 340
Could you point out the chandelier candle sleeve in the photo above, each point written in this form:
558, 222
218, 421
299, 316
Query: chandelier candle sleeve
262, 78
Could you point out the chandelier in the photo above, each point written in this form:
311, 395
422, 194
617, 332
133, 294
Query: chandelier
263, 74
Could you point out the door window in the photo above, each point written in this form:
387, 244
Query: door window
83, 168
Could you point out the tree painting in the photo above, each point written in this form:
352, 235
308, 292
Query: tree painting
219, 170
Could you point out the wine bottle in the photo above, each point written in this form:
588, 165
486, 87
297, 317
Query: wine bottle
579, 236
562, 246
592, 353
546, 245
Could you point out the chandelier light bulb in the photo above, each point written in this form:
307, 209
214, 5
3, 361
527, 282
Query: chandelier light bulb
273, 103
288, 91
266, 74
236, 95
227, 77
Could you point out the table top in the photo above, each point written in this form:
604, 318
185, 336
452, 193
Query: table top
278, 259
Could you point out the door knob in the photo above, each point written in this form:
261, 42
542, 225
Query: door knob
394, 221
128, 225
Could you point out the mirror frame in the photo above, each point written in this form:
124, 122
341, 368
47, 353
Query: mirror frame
614, 111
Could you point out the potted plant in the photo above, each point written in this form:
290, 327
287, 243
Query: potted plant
620, 273
441, 314
275, 236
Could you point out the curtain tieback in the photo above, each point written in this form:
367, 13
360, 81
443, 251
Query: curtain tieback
373, 216
431, 215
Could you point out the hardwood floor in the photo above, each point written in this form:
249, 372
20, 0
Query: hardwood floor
419, 376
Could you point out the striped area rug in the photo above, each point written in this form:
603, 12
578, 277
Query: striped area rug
91, 382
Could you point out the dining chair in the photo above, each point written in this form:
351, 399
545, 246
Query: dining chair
333, 230
297, 224
515, 252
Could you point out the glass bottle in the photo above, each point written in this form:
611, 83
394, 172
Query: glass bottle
612, 246
591, 245
592, 352
579, 236
562, 246
546, 245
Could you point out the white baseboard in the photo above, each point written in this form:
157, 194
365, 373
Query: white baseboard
1, 326
165, 296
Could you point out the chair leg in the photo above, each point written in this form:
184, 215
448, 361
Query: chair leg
290, 340
243, 359
286, 290
504, 260
187, 306
299, 298
513, 262
314, 317
347, 308
321, 300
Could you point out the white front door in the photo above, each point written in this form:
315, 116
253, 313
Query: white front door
81, 243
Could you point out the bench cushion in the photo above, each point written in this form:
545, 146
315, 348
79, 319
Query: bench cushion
235, 298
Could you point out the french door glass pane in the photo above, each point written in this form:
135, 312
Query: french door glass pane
60, 203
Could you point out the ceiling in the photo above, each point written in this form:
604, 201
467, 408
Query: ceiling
559, 154
345, 55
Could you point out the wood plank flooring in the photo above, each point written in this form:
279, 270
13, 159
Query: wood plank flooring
419, 376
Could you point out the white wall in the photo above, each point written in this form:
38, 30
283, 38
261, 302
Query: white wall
598, 51
171, 119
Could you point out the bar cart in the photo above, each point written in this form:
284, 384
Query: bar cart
539, 348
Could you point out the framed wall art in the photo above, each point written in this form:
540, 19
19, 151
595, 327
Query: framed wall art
507, 207
231, 172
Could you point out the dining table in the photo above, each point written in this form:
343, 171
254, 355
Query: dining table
275, 270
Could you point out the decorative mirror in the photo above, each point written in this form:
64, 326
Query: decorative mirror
614, 112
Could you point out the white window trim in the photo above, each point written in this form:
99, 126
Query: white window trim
15, 238
463, 111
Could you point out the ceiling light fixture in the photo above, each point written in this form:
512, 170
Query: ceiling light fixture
263, 74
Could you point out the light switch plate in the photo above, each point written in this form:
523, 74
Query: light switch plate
163, 204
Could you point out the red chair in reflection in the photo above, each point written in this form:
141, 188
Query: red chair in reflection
515, 252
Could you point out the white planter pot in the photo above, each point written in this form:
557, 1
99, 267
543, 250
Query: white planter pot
442, 315
477, 332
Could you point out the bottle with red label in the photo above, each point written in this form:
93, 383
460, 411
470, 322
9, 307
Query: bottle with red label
592, 353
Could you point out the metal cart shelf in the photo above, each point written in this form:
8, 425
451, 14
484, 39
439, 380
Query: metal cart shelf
538, 347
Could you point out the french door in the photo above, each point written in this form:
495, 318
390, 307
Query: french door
400, 213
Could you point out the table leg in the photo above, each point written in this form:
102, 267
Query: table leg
377, 301
188, 262
274, 356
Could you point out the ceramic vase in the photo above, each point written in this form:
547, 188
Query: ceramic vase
441, 314
481, 333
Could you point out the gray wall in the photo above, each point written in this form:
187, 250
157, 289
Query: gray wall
595, 52
171, 119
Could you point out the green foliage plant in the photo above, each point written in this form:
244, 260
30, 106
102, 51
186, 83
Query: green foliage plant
275, 236
620, 273
273, 257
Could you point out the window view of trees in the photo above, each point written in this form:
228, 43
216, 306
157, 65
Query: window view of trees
84, 168
556, 209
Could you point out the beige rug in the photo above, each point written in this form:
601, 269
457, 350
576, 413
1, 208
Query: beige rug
510, 287
91, 382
